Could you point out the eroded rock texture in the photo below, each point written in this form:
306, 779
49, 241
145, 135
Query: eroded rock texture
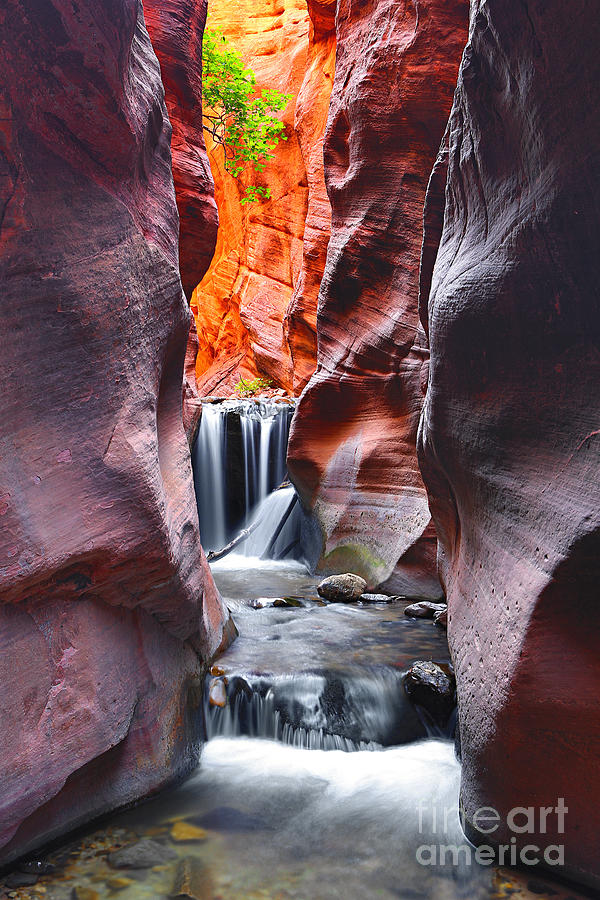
352, 452
176, 28
256, 307
106, 598
510, 440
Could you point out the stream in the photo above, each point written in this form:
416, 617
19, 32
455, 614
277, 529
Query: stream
318, 780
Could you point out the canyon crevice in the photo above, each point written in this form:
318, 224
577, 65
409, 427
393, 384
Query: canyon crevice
256, 307
108, 607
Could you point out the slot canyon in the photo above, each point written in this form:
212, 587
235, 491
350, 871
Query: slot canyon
299, 460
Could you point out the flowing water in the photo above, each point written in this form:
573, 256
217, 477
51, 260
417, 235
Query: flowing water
318, 780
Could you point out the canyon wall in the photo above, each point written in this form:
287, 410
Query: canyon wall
510, 440
107, 607
256, 307
352, 452
176, 28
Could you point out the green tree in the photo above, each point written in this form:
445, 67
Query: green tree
240, 118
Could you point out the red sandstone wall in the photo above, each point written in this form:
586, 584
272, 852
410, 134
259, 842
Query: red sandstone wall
106, 598
352, 452
262, 274
176, 28
509, 440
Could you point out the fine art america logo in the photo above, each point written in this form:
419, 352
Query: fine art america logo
521, 820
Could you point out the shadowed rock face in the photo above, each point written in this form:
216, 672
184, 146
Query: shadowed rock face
176, 28
106, 597
353, 446
509, 439
256, 306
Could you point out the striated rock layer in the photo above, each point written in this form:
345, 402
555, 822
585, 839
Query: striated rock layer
352, 452
256, 306
176, 28
510, 440
107, 606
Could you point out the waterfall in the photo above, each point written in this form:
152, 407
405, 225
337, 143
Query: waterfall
345, 709
209, 459
239, 458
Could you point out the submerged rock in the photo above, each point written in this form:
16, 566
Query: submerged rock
429, 686
193, 881
342, 588
142, 855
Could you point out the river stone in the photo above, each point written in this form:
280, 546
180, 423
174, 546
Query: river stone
20, 879
424, 610
377, 598
192, 881
342, 588
427, 685
142, 855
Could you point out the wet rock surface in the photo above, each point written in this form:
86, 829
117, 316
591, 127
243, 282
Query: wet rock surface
342, 588
424, 610
433, 688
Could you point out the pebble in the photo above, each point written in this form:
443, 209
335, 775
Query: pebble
185, 831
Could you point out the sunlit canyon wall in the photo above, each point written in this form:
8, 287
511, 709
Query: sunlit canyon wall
353, 446
510, 439
256, 306
107, 606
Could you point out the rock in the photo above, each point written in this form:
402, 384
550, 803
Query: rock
20, 879
217, 693
287, 603
119, 884
377, 598
510, 447
256, 306
176, 28
143, 854
441, 618
427, 685
84, 893
107, 602
193, 881
185, 831
36, 867
352, 451
342, 588
424, 610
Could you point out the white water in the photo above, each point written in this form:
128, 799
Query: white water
237, 464
209, 476
278, 531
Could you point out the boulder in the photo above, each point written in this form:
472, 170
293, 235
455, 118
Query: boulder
430, 687
424, 610
342, 588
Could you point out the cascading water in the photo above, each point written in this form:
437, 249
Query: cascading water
239, 463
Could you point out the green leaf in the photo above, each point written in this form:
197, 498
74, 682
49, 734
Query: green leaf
242, 121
